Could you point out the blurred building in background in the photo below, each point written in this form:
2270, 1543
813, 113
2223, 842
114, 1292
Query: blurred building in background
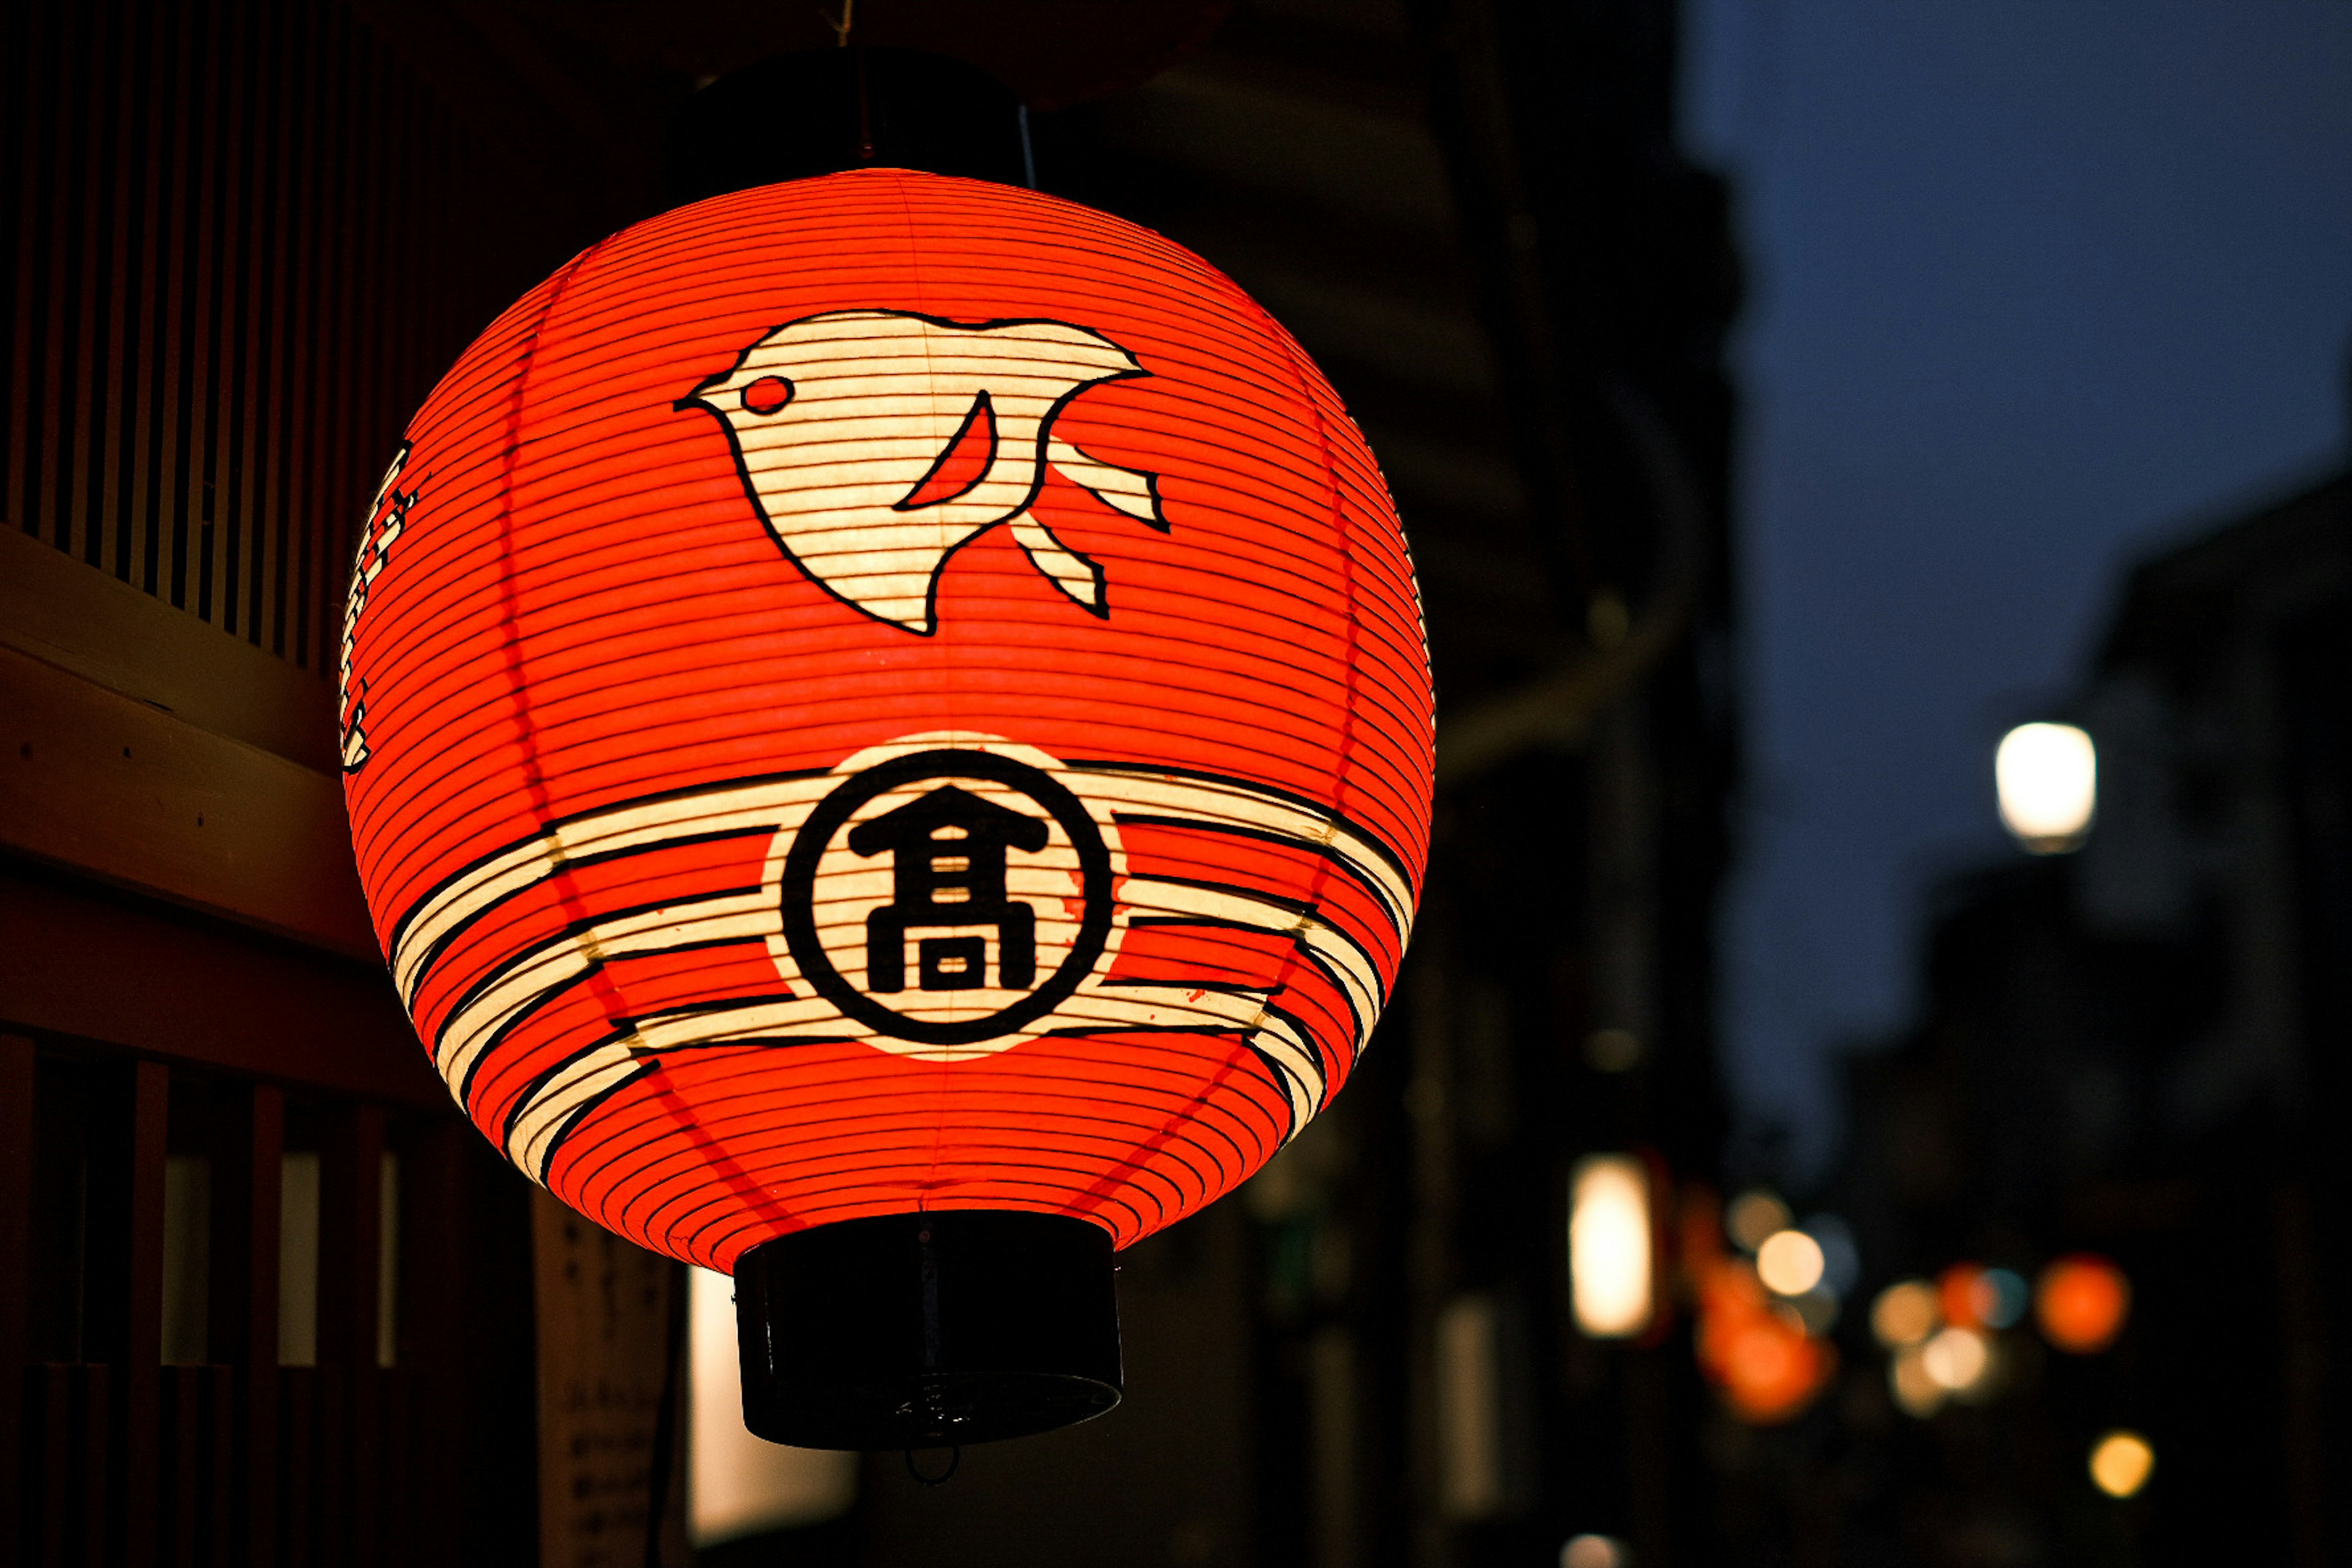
2135, 1050
267, 1299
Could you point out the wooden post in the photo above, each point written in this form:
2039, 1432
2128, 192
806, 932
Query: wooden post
351, 1214
124, 1312
17, 1112
248, 1163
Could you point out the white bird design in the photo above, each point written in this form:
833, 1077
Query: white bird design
874, 444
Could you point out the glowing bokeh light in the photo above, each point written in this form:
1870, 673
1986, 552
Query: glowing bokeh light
1609, 1248
2003, 1296
1772, 1369
1958, 1359
2121, 1463
1754, 1216
1960, 1295
2081, 1303
1753, 1348
1789, 1263
1594, 1552
1917, 1392
1970, 1295
1906, 1313
2048, 777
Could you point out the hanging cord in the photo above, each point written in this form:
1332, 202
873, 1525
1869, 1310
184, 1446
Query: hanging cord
955, 1461
843, 26
864, 109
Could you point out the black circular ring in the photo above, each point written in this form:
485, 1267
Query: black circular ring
833, 812
955, 1463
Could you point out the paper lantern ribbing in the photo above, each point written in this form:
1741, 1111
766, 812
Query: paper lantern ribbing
886, 694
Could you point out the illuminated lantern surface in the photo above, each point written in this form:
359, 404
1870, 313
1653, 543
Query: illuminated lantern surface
886, 694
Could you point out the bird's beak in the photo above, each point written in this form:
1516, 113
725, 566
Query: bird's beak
696, 399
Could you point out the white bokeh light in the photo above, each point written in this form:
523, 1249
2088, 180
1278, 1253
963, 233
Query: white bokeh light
2048, 777
1608, 1247
1789, 1263
1958, 1360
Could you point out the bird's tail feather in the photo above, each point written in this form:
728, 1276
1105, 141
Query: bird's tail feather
1122, 490
1079, 576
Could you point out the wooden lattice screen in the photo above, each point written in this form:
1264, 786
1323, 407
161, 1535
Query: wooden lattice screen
264, 1299
245, 240
172, 1413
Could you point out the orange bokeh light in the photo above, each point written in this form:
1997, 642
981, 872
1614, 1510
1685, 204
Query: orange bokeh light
1768, 1369
2081, 1303
1773, 1370
1964, 1295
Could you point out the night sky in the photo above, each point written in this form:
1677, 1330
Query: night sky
2038, 285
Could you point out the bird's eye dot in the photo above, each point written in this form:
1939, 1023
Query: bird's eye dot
767, 394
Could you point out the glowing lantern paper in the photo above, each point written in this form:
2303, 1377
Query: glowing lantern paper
888, 703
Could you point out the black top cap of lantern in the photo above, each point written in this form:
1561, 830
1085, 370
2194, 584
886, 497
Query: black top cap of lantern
824, 111
927, 1330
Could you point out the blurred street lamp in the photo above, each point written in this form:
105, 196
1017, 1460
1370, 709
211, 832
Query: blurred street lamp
2048, 777
1609, 1250
2121, 1463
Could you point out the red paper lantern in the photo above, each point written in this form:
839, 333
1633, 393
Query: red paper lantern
886, 695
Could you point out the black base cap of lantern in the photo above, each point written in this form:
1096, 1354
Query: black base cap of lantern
928, 1331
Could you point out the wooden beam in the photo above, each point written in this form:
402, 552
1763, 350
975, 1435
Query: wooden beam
70, 614
108, 785
77, 961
